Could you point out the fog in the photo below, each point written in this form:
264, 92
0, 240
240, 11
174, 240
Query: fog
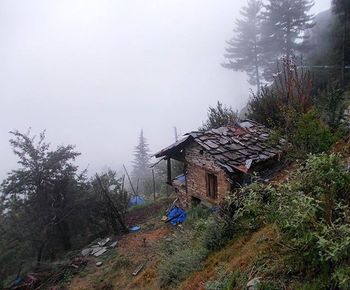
94, 73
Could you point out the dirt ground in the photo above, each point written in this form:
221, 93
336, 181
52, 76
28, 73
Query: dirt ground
132, 250
142, 247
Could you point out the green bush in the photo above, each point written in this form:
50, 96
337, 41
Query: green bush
314, 220
199, 212
311, 212
324, 174
331, 102
311, 135
178, 266
217, 233
249, 208
246, 210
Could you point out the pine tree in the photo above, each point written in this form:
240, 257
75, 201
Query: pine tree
244, 51
141, 165
341, 8
283, 26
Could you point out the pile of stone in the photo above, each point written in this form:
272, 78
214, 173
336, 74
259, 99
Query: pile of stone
99, 248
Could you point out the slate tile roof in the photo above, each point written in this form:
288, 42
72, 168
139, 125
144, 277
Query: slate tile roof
236, 147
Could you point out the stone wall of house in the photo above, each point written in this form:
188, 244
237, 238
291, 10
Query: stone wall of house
198, 164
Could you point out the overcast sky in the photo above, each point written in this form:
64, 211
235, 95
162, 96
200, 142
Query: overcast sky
93, 73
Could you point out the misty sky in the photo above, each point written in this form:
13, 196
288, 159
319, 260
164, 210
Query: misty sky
93, 73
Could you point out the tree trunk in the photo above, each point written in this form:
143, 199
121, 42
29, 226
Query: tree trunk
345, 36
256, 54
257, 76
65, 236
113, 209
40, 253
288, 42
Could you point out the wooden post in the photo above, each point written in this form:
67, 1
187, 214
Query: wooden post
127, 174
168, 163
123, 181
137, 186
154, 186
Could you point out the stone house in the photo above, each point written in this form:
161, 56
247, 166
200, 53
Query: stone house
219, 160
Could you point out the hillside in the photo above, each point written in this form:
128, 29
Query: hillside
257, 248
151, 245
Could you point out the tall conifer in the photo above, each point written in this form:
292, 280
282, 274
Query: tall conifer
284, 24
141, 165
244, 51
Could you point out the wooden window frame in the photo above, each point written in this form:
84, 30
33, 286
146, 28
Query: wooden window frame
211, 185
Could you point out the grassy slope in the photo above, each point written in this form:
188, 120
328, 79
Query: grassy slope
239, 255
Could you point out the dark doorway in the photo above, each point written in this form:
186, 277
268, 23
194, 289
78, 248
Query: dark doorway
195, 201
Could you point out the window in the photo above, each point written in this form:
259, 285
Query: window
212, 185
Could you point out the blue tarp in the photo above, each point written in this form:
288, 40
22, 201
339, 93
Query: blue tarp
180, 178
176, 215
136, 200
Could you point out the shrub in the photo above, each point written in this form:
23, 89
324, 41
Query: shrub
331, 104
245, 210
217, 233
326, 179
313, 220
265, 107
324, 173
178, 266
310, 135
218, 116
249, 208
199, 212
289, 93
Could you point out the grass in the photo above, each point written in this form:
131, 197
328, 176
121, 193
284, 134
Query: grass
238, 255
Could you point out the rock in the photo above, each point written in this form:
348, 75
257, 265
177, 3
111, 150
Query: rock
95, 249
98, 264
104, 242
86, 252
100, 252
113, 245
253, 284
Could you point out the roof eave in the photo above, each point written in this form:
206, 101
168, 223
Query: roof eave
174, 148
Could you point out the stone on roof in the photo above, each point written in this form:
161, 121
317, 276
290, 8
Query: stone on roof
236, 147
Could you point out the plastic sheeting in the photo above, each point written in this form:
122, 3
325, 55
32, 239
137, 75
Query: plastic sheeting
136, 200
176, 215
134, 229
